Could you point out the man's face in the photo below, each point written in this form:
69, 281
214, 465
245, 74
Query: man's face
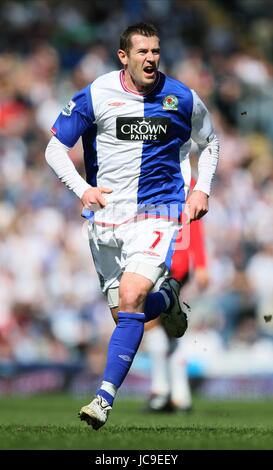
142, 61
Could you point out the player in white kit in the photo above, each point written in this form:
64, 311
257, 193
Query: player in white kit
136, 126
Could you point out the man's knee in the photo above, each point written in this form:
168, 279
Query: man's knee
131, 298
133, 290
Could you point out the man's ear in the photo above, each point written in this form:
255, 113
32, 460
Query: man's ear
122, 57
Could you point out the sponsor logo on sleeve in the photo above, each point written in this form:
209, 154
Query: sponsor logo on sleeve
143, 129
67, 111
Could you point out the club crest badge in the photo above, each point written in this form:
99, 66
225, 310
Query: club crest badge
170, 102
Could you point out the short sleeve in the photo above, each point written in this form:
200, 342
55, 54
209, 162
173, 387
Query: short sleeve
76, 117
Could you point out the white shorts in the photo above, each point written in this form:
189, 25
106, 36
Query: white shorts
144, 247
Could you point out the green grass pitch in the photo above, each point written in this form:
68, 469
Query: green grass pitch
51, 422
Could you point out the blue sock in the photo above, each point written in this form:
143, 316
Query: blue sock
122, 348
156, 303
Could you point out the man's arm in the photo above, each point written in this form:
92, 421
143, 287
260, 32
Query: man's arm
203, 135
76, 117
57, 157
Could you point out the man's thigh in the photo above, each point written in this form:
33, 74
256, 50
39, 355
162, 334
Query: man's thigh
149, 246
144, 248
107, 256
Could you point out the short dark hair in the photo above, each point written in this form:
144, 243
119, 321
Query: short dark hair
145, 29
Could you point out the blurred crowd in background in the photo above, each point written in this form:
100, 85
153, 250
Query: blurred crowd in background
51, 308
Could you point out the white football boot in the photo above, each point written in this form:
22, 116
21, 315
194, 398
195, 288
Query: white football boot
96, 413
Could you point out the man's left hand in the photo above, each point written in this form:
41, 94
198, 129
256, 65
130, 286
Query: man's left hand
198, 205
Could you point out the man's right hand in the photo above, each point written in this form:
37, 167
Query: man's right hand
95, 196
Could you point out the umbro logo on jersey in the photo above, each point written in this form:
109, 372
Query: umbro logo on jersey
116, 103
139, 128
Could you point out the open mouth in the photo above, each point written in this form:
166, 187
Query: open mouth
149, 70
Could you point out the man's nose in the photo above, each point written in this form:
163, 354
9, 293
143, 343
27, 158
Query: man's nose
150, 57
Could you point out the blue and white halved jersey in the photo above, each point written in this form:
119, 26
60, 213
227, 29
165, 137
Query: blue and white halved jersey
136, 144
